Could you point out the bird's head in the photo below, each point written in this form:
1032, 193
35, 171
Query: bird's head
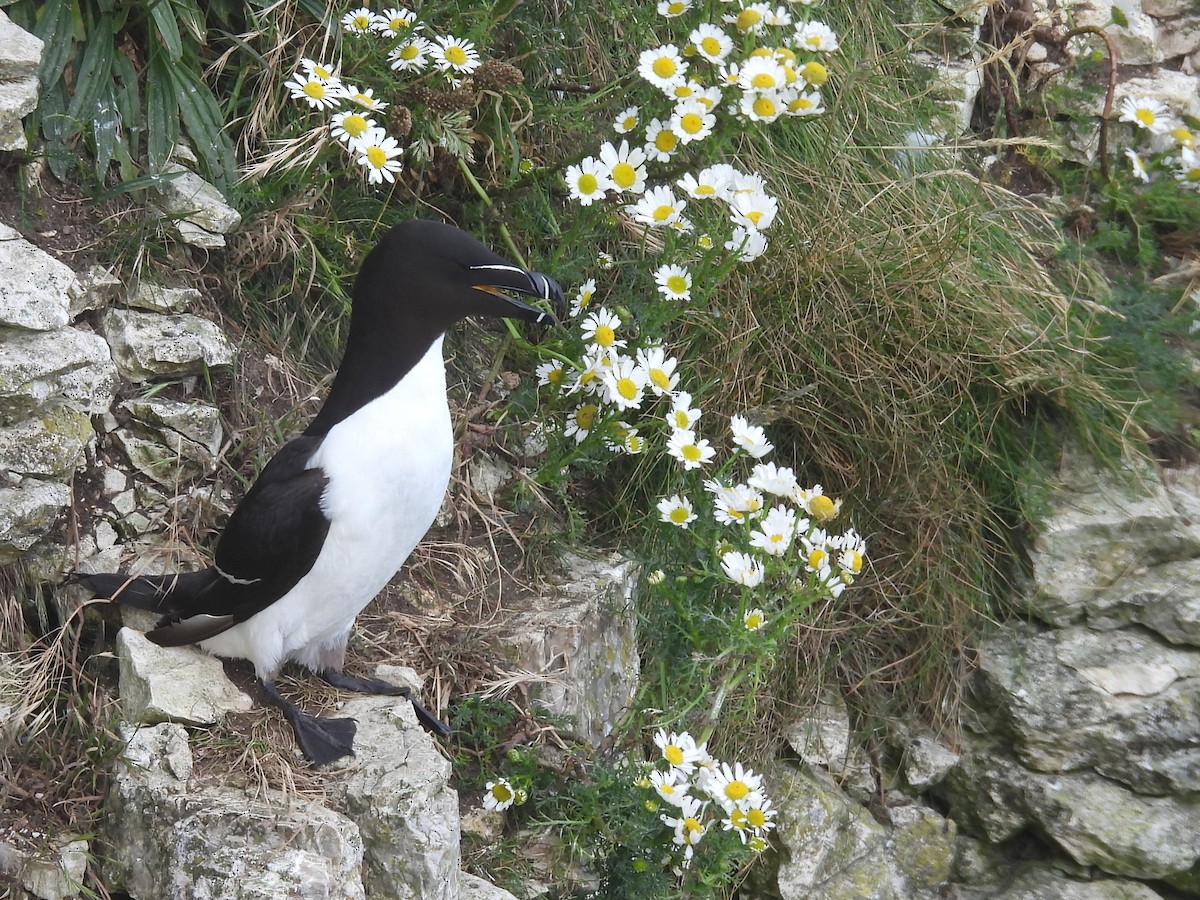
446, 275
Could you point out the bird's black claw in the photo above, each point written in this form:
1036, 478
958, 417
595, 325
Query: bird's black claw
428, 720
323, 740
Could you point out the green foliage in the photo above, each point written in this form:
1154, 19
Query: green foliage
125, 75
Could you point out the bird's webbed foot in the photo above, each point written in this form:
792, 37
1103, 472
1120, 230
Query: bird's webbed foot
321, 740
428, 720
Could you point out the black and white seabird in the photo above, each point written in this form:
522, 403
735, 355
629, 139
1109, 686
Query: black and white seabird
338, 509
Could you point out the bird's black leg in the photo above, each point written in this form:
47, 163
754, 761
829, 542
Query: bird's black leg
379, 686
321, 740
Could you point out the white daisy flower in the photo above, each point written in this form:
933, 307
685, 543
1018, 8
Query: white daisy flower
552, 373
662, 66
674, 282
711, 42
817, 503
673, 8
742, 568
658, 207
691, 451
687, 826
600, 329
760, 74
627, 120
318, 93
1147, 113
378, 153
588, 181
748, 244
590, 377
753, 210
395, 21
683, 416
734, 504
364, 98
751, 19
691, 121
1136, 164
1187, 170
625, 383
583, 297
626, 167
359, 21
676, 510
410, 56
814, 73
661, 142
454, 55
732, 786
350, 126
750, 438
751, 820
766, 106
803, 103
671, 786
777, 480
579, 425
498, 795
661, 376
319, 71
815, 36
679, 750
754, 619
775, 531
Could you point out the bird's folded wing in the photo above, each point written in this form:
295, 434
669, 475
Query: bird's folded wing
272, 539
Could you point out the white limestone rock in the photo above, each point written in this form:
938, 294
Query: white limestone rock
173, 684
927, 761
28, 510
35, 288
20, 55
1105, 526
168, 834
171, 441
98, 287
578, 637
147, 346
823, 738
67, 363
396, 790
1165, 599
156, 298
202, 215
59, 876
1042, 883
472, 887
48, 445
20, 51
1136, 41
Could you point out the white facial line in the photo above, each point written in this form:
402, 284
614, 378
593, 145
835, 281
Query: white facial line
233, 580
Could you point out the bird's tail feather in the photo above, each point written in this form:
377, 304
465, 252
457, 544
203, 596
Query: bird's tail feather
156, 593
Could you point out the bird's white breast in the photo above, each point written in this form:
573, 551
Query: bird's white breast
387, 465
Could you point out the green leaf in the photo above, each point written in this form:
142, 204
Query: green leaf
163, 14
55, 27
162, 110
94, 74
106, 131
1118, 17
205, 125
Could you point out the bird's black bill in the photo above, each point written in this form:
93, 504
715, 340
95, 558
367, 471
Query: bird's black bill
502, 281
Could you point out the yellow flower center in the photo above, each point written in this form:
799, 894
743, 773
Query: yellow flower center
754, 215
321, 72
666, 141
1192, 174
692, 123
821, 507
679, 515
677, 284
753, 622
635, 444
738, 819
315, 89
816, 559
856, 561
362, 23
676, 8
501, 793
409, 52
747, 19
711, 46
814, 73
363, 100
690, 452
664, 67
681, 419
629, 123
624, 175
673, 754
376, 157
664, 212
691, 827
756, 818
396, 24
627, 388
800, 104
354, 125
683, 91
764, 106
1183, 137
660, 379
813, 40
736, 790
456, 55
1145, 116
585, 415
554, 376
587, 183
604, 335
763, 81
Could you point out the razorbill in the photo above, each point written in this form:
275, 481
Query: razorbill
338, 509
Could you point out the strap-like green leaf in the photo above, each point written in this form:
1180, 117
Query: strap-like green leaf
205, 124
55, 26
162, 109
163, 14
94, 75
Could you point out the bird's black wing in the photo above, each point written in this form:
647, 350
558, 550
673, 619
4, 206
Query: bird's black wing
271, 542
